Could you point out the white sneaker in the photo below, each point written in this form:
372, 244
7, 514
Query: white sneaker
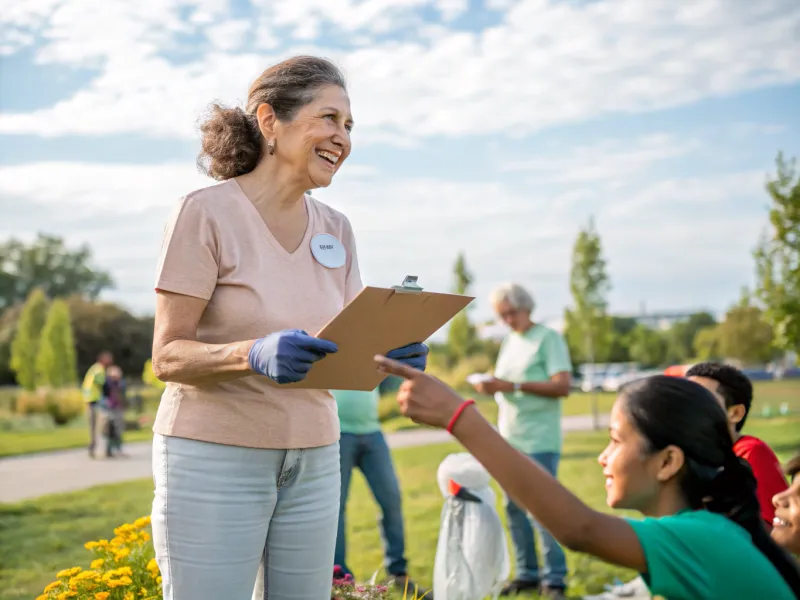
633, 590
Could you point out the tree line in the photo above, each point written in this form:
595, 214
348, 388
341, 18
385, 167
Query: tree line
763, 325
52, 325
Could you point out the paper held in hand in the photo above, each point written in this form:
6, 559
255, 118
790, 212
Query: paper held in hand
376, 321
478, 378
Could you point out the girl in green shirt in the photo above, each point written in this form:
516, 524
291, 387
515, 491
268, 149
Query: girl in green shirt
671, 458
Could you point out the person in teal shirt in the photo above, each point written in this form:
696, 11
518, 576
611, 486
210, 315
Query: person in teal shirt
531, 377
362, 445
669, 457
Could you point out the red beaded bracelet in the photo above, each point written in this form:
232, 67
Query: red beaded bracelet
457, 414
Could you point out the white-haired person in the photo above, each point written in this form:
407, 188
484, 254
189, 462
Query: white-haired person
531, 377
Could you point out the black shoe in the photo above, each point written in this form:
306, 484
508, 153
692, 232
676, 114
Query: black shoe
553, 593
512, 588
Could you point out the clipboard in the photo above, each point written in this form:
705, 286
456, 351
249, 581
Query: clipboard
376, 321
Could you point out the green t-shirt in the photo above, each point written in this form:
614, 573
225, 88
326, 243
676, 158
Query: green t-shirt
358, 411
699, 555
531, 423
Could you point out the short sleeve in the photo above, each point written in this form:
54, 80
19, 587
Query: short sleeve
674, 566
769, 477
188, 263
353, 284
557, 359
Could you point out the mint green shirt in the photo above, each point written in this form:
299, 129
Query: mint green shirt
531, 423
699, 555
358, 411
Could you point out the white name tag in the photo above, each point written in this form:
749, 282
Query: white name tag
328, 251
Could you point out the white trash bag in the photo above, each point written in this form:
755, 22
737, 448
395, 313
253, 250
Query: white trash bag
471, 556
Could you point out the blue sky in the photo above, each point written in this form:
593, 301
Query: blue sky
493, 127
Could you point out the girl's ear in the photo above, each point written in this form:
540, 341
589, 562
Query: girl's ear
671, 461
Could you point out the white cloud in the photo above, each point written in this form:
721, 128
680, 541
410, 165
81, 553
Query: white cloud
695, 231
608, 160
547, 62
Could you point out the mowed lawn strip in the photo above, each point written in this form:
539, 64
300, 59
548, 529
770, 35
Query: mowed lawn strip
40, 537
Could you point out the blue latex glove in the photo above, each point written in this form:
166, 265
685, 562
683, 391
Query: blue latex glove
286, 356
413, 355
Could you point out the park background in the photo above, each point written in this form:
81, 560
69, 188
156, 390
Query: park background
631, 164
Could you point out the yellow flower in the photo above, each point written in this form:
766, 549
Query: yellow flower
51, 586
69, 572
141, 522
97, 563
121, 553
159, 580
142, 593
144, 537
113, 583
42, 597
101, 595
128, 596
125, 571
152, 566
125, 580
91, 545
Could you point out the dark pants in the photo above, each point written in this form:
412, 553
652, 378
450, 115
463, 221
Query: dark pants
521, 525
370, 454
91, 415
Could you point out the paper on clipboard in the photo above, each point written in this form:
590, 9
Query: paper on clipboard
375, 321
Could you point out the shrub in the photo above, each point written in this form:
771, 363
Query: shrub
123, 568
64, 405
31, 403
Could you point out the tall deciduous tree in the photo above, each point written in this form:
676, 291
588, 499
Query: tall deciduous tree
588, 326
47, 263
648, 347
25, 344
745, 335
461, 335
778, 257
680, 338
56, 364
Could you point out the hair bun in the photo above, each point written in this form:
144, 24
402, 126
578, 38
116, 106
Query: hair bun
231, 144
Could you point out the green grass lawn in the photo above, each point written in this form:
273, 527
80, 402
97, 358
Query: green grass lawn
42, 536
768, 393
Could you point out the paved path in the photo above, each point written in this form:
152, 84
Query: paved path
26, 477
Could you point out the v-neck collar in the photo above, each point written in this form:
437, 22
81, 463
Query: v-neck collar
267, 233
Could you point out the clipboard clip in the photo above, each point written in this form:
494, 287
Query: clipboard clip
409, 286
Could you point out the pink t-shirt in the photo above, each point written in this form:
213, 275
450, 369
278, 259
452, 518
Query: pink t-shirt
217, 247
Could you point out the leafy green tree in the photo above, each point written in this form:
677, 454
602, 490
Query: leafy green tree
745, 335
680, 337
778, 257
461, 336
621, 328
47, 264
56, 364
25, 343
587, 324
648, 347
706, 344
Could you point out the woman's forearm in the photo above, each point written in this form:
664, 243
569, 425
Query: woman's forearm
197, 363
546, 389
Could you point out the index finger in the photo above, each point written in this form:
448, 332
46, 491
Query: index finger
317, 345
393, 367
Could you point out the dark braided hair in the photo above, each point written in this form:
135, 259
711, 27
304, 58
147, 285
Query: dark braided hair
669, 411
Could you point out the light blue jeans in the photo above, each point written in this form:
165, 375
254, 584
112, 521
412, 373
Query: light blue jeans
220, 511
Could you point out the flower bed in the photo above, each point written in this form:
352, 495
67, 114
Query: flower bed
124, 568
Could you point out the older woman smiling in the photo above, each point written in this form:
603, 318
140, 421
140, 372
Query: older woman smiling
247, 471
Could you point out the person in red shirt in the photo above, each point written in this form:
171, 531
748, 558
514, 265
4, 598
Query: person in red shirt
735, 392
